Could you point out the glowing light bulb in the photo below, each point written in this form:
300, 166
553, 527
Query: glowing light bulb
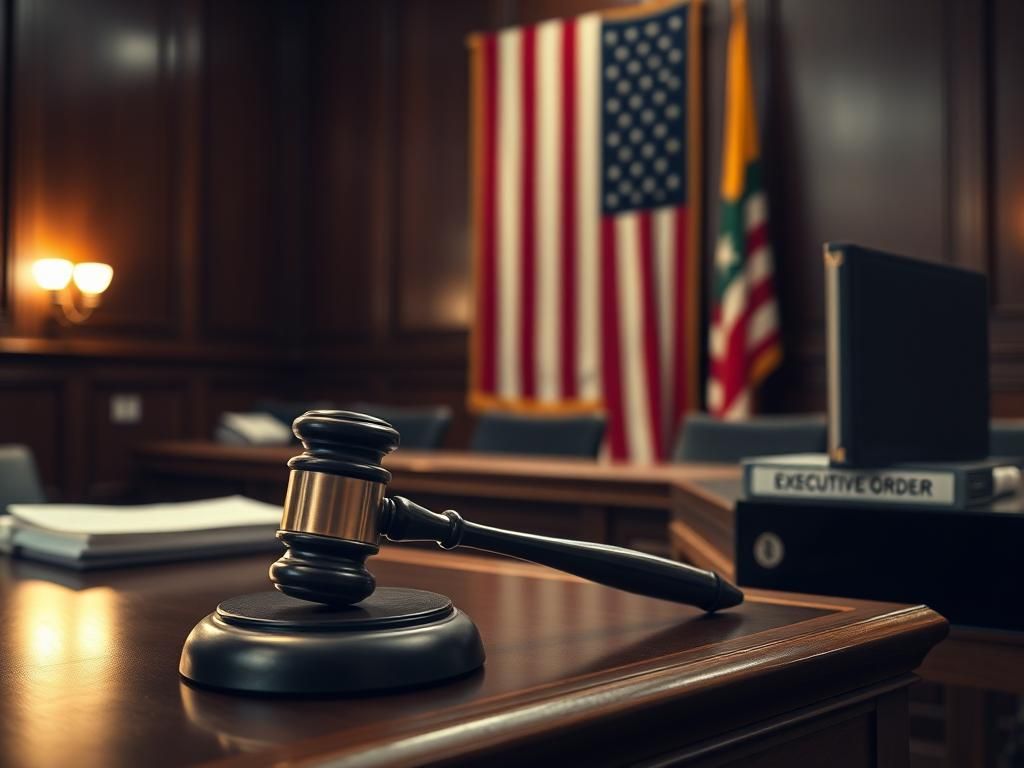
93, 277
52, 274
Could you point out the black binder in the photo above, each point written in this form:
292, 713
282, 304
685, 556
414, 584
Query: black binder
965, 564
907, 354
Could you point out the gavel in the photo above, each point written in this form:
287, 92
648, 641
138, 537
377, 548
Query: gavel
336, 515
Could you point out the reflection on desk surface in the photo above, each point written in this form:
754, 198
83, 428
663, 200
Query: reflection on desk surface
90, 668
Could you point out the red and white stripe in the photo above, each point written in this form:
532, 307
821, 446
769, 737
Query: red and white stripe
745, 323
576, 307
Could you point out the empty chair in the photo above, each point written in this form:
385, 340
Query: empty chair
705, 438
539, 435
1006, 437
19, 481
421, 428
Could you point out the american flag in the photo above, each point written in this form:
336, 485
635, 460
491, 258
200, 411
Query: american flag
585, 185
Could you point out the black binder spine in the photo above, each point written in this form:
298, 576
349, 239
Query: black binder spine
834, 307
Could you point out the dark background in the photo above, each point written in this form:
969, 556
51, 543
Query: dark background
281, 187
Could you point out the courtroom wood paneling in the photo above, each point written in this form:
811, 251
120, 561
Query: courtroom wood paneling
61, 409
395, 380
31, 413
168, 138
855, 141
431, 287
294, 155
857, 103
5, 155
325, 384
1007, 267
350, 190
857, 136
441, 385
242, 256
285, 180
94, 152
110, 445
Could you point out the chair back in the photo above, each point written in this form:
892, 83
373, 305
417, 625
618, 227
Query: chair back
1006, 438
421, 428
539, 435
19, 480
707, 439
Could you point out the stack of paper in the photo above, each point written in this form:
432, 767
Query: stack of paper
252, 429
90, 536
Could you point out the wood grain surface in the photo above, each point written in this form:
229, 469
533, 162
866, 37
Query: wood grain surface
89, 668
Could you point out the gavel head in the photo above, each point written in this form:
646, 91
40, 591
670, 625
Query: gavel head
332, 519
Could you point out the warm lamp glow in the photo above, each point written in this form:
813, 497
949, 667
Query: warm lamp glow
93, 277
52, 274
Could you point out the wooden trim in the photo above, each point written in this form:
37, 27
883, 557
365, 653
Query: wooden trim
577, 481
478, 401
892, 726
989, 659
599, 700
837, 709
694, 548
144, 350
650, 8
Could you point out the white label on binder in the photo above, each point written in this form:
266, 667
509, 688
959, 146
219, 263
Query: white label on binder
906, 487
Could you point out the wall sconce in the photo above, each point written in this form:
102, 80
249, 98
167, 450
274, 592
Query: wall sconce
91, 278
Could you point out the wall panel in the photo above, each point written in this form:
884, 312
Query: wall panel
32, 413
432, 270
281, 186
240, 247
350, 191
873, 125
1007, 265
856, 144
166, 137
94, 153
109, 455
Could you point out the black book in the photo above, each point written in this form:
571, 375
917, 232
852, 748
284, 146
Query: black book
907, 355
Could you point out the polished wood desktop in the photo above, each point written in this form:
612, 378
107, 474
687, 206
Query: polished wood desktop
557, 496
576, 672
974, 666
701, 533
620, 504
577, 498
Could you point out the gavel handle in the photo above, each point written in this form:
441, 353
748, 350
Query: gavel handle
626, 569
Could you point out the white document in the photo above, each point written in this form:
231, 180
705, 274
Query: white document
95, 519
253, 429
82, 530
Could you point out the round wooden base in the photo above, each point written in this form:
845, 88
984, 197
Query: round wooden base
268, 642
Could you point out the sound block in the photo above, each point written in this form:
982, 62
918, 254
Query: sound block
268, 642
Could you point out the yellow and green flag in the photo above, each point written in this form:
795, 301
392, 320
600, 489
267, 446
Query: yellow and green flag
744, 343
